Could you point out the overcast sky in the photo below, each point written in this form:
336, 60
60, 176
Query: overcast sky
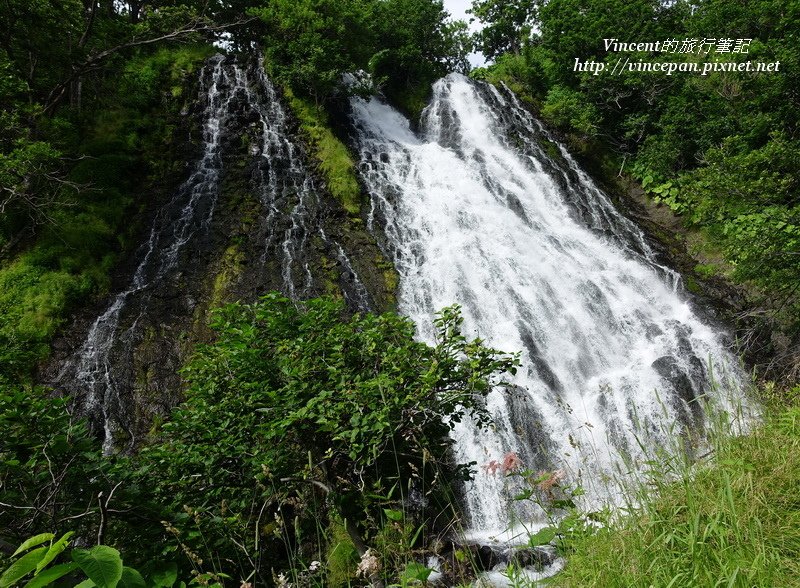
458, 10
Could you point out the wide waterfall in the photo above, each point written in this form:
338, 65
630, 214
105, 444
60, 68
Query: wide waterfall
480, 208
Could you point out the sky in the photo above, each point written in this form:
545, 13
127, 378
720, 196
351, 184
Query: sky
458, 10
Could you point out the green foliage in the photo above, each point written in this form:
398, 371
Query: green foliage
566, 108
101, 564
82, 226
404, 44
50, 468
333, 157
417, 45
295, 397
508, 25
415, 573
310, 43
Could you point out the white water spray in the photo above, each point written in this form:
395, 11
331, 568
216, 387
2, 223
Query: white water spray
476, 213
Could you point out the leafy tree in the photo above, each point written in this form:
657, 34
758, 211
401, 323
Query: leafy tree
51, 469
507, 25
309, 44
565, 108
405, 44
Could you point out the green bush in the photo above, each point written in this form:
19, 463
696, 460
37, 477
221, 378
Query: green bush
297, 415
568, 109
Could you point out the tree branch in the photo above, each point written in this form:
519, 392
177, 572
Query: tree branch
96, 60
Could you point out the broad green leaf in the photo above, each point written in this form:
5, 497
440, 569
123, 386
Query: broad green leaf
165, 575
393, 515
55, 549
416, 571
32, 542
50, 575
22, 567
85, 584
542, 537
101, 563
132, 579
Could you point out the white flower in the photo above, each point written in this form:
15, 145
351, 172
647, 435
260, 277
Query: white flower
369, 564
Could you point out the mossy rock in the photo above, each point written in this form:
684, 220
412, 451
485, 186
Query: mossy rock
332, 156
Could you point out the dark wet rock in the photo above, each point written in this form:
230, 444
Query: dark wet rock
237, 257
463, 562
535, 557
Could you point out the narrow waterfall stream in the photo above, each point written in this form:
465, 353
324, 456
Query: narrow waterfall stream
234, 97
93, 372
476, 213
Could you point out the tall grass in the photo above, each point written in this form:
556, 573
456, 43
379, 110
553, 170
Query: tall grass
731, 521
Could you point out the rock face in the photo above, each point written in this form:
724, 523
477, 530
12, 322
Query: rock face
461, 563
250, 217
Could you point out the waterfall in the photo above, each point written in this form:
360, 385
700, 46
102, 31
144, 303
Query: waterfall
94, 371
236, 100
477, 210
283, 178
284, 182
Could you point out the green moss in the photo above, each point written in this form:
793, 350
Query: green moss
230, 268
343, 558
693, 285
391, 279
333, 157
551, 150
34, 300
706, 270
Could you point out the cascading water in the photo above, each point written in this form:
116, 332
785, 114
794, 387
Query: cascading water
476, 213
284, 178
100, 372
285, 185
93, 371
